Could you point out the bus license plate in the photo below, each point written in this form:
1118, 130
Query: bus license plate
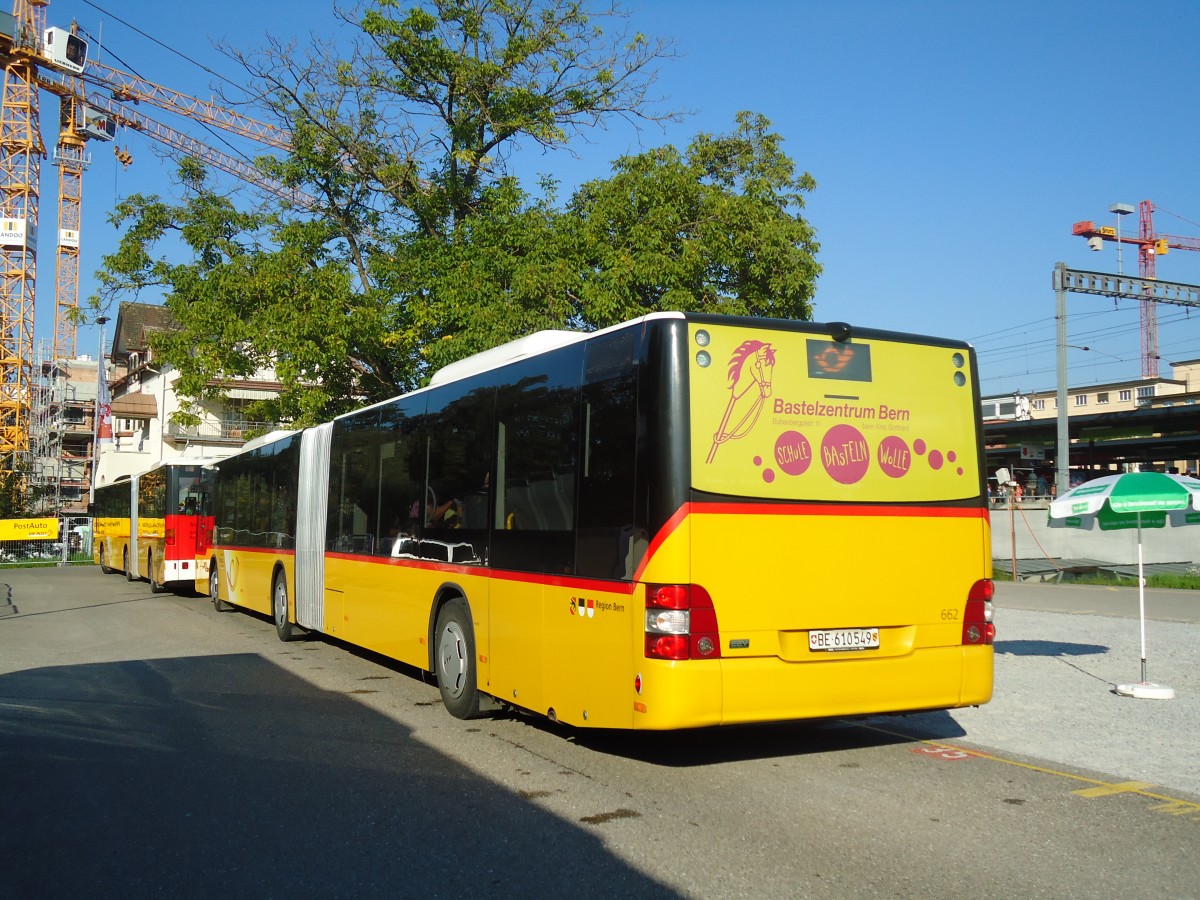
844, 639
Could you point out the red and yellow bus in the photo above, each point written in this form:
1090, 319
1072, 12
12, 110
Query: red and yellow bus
149, 526
685, 520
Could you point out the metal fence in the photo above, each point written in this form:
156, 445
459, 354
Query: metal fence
72, 546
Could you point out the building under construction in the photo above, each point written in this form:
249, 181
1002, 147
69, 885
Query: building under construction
62, 434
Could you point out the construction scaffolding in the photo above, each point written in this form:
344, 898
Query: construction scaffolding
61, 432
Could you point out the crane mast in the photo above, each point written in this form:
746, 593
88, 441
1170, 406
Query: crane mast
70, 156
21, 151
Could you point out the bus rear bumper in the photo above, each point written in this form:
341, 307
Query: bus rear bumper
742, 691
179, 570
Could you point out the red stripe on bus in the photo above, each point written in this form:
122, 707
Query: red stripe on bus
660, 536
582, 584
826, 509
432, 565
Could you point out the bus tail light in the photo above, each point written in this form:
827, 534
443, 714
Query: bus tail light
681, 623
978, 628
170, 537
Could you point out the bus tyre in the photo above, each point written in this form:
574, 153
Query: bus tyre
455, 660
156, 587
218, 604
129, 576
104, 566
279, 607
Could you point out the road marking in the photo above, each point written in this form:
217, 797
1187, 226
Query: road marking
1107, 790
1172, 806
1178, 808
941, 752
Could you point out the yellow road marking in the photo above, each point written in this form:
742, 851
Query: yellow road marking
1171, 805
1177, 808
1106, 790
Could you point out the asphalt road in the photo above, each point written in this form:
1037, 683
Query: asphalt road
152, 747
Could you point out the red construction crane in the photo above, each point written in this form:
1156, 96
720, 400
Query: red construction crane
1151, 245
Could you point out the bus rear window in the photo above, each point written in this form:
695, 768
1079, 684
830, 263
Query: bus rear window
799, 416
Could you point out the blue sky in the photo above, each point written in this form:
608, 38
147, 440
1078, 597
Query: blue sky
953, 144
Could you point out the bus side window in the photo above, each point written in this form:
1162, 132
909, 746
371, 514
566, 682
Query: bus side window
537, 456
611, 542
354, 483
459, 431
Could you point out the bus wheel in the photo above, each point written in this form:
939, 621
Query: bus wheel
156, 587
218, 604
129, 576
455, 660
279, 605
104, 566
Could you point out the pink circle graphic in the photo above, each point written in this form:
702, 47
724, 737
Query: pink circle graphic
768, 475
845, 454
951, 456
894, 457
793, 453
919, 447
935, 459
758, 460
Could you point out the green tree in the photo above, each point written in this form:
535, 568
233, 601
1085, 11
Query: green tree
12, 498
419, 248
716, 229
421, 113
254, 291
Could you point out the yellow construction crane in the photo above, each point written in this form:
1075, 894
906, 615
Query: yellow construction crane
36, 57
125, 87
22, 50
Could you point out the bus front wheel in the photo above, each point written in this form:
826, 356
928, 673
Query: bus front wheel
129, 576
279, 605
104, 566
455, 660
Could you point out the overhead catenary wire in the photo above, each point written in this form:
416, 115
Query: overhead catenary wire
997, 362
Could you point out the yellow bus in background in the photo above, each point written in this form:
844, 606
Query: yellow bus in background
111, 513
685, 520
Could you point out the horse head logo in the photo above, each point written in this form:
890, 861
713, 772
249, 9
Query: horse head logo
751, 369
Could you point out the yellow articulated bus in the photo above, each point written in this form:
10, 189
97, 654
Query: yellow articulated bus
685, 520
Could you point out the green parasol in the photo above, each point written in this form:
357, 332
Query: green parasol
1133, 500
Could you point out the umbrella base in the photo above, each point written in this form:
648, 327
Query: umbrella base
1145, 691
